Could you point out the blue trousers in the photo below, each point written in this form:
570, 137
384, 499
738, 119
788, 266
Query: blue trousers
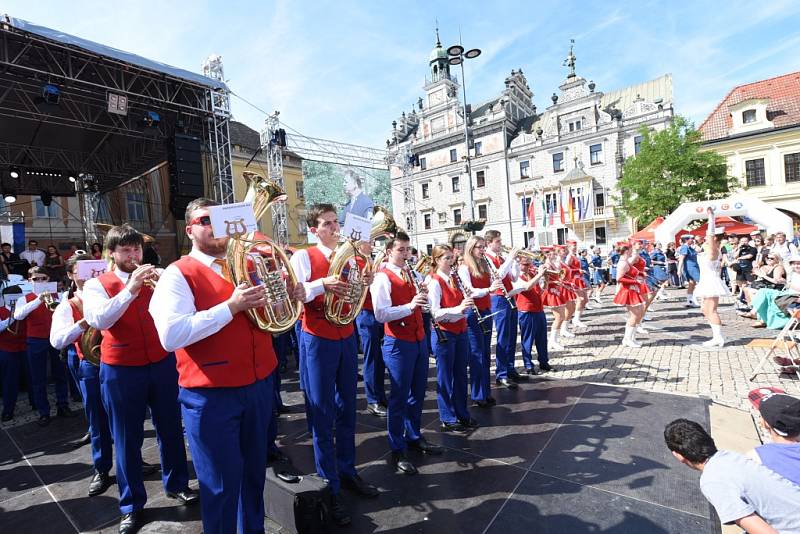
407, 363
505, 321
451, 377
301, 352
533, 329
39, 354
10, 363
73, 365
99, 429
370, 333
331, 376
426, 324
480, 345
227, 430
127, 391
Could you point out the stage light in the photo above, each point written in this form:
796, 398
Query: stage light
46, 197
71, 177
151, 119
10, 197
14, 172
51, 93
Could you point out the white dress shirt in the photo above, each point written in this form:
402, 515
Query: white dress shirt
99, 310
466, 279
64, 330
24, 308
439, 314
381, 290
33, 256
301, 264
172, 307
508, 267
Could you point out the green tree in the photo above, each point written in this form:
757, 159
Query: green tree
670, 169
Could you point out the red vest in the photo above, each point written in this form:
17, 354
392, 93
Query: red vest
574, 265
133, 339
451, 297
408, 328
237, 355
368, 300
38, 320
314, 321
530, 300
13, 342
77, 317
506, 279
484, 303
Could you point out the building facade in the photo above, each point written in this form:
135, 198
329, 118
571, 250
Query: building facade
756, 127
519, 156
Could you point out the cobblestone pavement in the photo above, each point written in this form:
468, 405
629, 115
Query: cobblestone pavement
667, 362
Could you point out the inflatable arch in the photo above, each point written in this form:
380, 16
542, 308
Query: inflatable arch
735, 206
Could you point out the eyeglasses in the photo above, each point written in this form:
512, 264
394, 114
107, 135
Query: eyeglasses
205, 220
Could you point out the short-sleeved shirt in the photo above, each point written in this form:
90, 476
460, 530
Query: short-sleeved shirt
689, 253
737, 486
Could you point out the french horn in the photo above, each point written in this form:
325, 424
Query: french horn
254, 259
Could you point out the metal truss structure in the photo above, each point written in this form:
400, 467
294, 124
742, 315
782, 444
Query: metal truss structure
401, 157
336, 152
80, 134
270, 143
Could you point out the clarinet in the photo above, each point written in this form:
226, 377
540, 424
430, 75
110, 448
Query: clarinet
496, 276
440, 335
466, 293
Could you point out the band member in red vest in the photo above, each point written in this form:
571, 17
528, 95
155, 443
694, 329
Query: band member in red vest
40, 351
370, 333
330, 364
67, 327
13, 350
578, 283
398, 305
135, 372
225, 372
449, 308
532, 319
505, 316
477, 281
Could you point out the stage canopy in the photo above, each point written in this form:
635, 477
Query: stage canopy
648, 231
71, 106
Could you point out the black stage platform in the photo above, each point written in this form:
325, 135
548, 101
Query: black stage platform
555, 456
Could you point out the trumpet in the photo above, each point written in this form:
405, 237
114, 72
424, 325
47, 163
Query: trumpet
13, 326
440, 335
467, 293
533, 255
151, 280
49, 300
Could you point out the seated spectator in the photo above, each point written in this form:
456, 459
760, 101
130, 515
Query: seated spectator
772, 306
780, 418
742, 491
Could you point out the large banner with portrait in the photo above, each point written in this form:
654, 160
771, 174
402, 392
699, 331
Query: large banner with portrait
350, 189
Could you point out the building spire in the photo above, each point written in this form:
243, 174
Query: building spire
570, 61
438, 41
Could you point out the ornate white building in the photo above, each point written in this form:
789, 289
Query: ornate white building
575, 147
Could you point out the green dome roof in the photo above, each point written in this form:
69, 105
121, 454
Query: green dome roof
438, 53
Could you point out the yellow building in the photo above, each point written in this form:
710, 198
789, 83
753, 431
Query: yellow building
756, 128
244, 143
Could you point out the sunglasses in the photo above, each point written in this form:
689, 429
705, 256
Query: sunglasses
205, 220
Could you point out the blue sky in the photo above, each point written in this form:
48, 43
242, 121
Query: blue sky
344, 70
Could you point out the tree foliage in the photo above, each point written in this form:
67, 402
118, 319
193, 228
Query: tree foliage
670, 169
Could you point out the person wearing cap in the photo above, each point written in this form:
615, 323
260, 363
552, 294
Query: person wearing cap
629, 294
579, 285
599, 275
688, 266
741, 491
780, 419
711, 287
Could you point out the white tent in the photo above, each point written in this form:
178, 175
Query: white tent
754, 208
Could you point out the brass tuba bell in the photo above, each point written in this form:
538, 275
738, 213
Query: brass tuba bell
255, 259
89, 343
383, 226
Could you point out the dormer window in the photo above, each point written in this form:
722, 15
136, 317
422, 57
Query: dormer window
574, 126
748, 116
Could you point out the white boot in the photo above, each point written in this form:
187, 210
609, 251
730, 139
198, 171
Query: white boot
647, 317
628, 340
597, 298
564, 332
576, 321
716, 340
552, 342
662, 294
639, 329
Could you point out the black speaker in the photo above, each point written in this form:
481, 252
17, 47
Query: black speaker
185, 172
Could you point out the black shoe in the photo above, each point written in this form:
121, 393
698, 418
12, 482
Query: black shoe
44, 420
401, 463
85, 439
360, 377
282, 368
64, 411
130, 523
531, 372
483, 403
505, 382
491, 400
544, 367
423, 446
516, 377
185, 496
453, 427
339, 512
149, 469
469, 423
278, 456
283, 409
99, 484
7, 417
377, 410
356, 484
76, 398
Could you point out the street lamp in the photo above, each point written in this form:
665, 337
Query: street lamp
457, 56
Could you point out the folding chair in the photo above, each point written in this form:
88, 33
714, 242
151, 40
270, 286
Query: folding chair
787, 340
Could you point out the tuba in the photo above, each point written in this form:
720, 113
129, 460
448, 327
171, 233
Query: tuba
383, 226
255, 259
89, 342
